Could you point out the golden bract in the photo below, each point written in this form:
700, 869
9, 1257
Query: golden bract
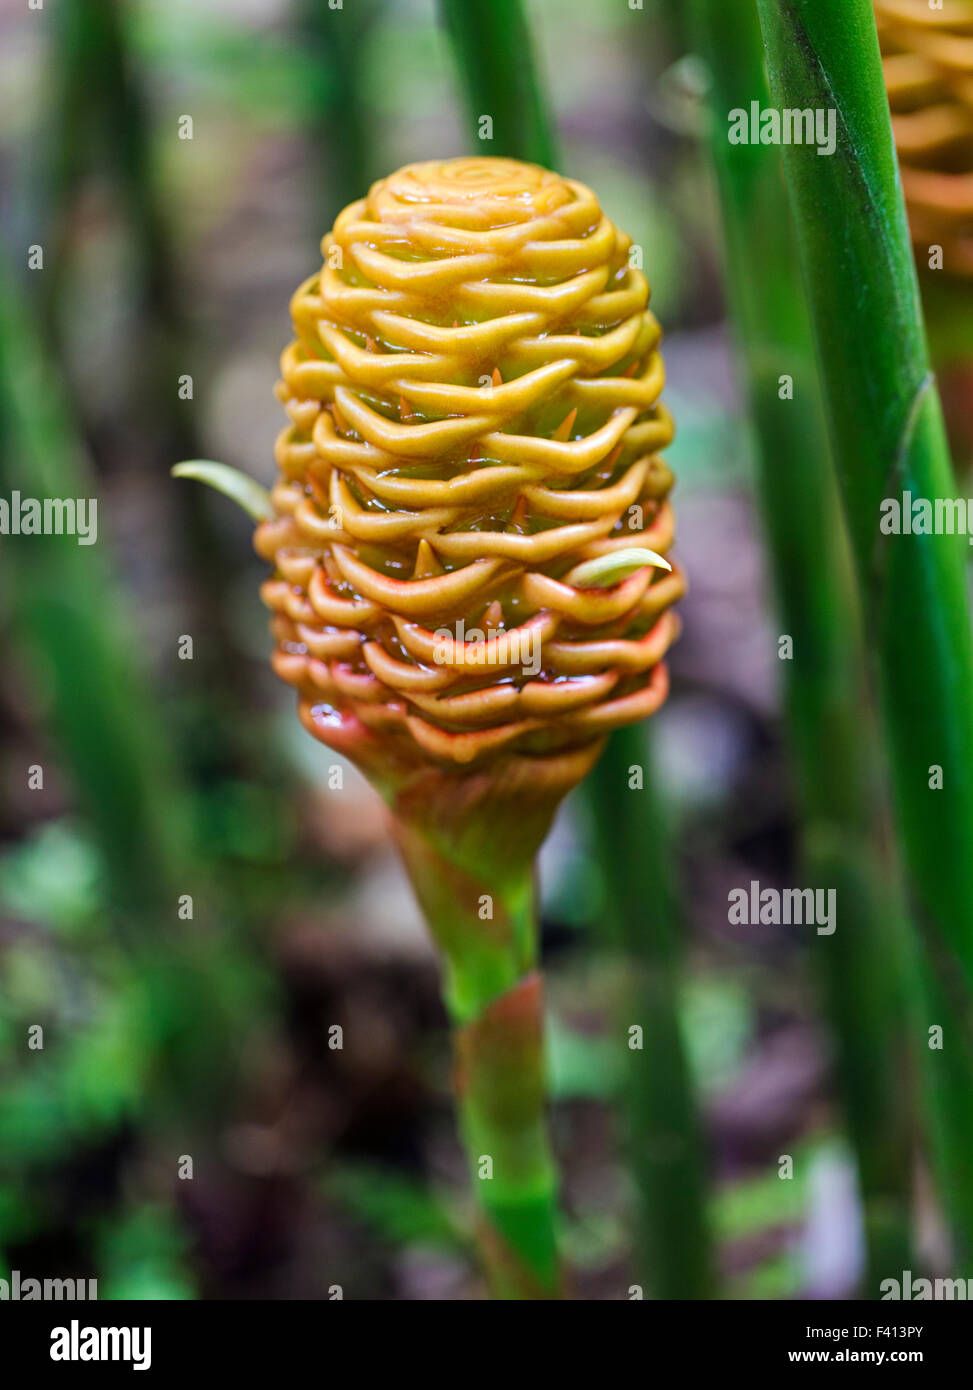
473, 398
927, 55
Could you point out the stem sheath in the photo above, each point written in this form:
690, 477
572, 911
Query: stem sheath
889, 442
830, 724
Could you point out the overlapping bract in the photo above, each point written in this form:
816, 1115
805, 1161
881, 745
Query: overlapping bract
927, 55
474, 412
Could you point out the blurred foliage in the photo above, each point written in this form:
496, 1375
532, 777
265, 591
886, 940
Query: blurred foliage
402, 1212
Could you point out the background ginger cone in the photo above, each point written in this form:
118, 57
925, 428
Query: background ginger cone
474, 412
927, 57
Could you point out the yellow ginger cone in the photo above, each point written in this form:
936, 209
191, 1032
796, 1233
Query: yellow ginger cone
927, 55
469, 588
475, 416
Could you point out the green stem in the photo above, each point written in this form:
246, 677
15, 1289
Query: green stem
100, 119
99, 115
641, 918
830, 724
485, 927
60, 595
65, 610
339, 120
888, 438
492, 43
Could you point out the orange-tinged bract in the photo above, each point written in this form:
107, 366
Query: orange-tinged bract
474, 412
927, 55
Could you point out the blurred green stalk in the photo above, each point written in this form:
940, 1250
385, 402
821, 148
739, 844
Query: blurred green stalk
98, 115
98, 107
339, 126
642, 919
67, 619
888, 438
830, 724
60, 596
494, 52
660, 1121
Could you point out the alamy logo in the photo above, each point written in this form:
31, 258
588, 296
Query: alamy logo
923, 516
50, 516
17, 1289
807, 907
767, 126
473, 647
912, 1290
77, 1343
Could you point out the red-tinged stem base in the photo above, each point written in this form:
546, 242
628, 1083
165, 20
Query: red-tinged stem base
484, 924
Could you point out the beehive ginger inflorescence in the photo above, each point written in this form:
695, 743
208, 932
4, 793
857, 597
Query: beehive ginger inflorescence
474, 418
